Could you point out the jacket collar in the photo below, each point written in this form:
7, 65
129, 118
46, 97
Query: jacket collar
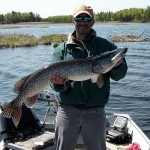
72, 39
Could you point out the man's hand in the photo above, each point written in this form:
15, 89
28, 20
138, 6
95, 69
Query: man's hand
58, 79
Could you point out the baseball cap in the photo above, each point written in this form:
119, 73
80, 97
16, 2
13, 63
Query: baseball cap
83, 9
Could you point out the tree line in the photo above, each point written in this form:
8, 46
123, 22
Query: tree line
125, 15
17, 17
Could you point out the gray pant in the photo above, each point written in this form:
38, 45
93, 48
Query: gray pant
72, 121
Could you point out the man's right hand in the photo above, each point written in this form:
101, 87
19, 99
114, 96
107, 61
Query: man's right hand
59, 79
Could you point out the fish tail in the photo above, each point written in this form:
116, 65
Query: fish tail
13, 110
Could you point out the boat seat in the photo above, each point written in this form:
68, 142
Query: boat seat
119, 133
28, 135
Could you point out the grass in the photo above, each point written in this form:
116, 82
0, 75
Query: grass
54, 39
21, 40
17, 40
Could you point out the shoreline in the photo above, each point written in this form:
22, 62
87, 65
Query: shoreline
47, 24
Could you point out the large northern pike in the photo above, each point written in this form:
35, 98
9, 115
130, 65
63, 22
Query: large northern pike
78, 70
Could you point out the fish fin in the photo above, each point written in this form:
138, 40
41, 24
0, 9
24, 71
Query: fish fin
19, 84
94, 79
13, 110
8, 110
17, 116
30, 101
100, 81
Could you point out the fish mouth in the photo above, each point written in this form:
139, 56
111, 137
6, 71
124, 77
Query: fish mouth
122, 51
125, 50
113, 53
119, 54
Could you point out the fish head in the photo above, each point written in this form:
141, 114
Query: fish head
106, 61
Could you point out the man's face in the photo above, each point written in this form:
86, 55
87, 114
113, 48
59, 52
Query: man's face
83, 24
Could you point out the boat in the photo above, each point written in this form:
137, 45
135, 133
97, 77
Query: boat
122, 133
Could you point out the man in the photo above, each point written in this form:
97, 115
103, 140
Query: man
81, 104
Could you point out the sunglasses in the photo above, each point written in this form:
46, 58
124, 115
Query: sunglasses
85, 19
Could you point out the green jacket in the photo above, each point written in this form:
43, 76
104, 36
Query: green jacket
86, 92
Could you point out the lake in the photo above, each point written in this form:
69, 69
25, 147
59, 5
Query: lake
130, 95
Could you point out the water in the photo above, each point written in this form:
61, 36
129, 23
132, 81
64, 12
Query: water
130, 95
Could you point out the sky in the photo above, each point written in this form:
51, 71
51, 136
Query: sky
47, 8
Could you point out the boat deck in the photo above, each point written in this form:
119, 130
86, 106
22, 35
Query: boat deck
81, 147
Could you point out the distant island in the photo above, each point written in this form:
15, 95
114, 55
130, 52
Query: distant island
139, 15
23, 40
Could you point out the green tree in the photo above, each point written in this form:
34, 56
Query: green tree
1, 19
